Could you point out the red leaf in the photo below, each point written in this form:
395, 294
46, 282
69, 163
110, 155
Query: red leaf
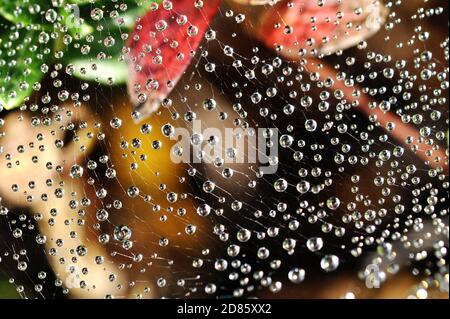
304, 24
162, 46
296, 18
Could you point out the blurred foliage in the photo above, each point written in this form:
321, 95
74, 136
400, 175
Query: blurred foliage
36, 34
7, 290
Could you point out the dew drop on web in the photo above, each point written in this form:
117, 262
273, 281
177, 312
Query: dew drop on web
197, 152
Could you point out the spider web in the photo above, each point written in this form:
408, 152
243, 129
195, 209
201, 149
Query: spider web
349, 199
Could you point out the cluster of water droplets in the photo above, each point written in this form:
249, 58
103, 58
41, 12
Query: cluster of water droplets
113, 216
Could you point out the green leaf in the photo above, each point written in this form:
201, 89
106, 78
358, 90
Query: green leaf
101, 71
23, 58
7, 290
24, 54
25, 11
81, 2
110, 64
